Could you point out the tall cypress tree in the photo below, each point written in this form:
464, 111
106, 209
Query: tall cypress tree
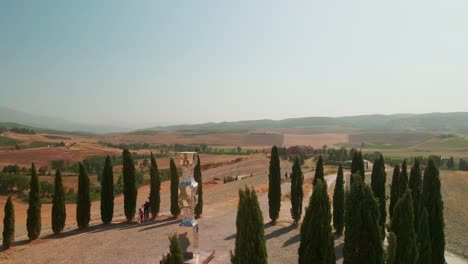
155, 188
33, 222
8, 224
130, 189
319, 175
198, 178
415, 184
83, 200
316, 233
107, 192
394, 190
357, 165
175, 255
363, 243
424, 239
403, 180
403, 226
250, 246
432, 201
175, 209
297, 194
378, 179
362, 170
391, 249
58, 204
339, 202
274, 184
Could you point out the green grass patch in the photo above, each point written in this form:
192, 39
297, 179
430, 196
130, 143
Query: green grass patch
6, 141
446, 143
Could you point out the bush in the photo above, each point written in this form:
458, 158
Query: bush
13, 183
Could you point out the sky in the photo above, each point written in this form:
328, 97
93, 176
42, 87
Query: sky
170, 62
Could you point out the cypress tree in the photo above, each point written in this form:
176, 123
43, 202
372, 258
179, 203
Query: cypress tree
319, 175
363, 243
316, 233
432, 201
357, 165
8, 224
33, 222
378, 179
175, 255
391, 249
339, 202
155, 188
198, 178
83, 201
403, 226
107, 192
403, 180
424, 239
362, 170
175, 209
394, 190
58, 204
250, 245
415, 184
129, 189
274, 184
297, 194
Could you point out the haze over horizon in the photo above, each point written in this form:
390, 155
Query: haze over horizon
151, 62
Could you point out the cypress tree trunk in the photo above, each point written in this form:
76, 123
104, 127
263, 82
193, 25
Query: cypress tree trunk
432, 201
415, 184
403, 226
198, 178
155, 188
175, 209
297, 179
129, 189
391, 249
394, 190
175, 255
107, 192
250, 246
274, 184
363, 243
378, 179
316, 244
8, 224
424, 239
319, 171
33, 222
339, 202
83, 201
403, 180
58, 205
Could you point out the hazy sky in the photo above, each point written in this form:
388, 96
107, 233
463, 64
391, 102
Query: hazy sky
146, 62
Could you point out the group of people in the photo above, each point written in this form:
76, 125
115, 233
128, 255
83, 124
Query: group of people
144, 214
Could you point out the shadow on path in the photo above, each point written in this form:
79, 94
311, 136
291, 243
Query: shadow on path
280, 232
16, 244
339, 251
292, 240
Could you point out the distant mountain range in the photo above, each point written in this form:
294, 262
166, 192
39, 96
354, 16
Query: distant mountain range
449, 122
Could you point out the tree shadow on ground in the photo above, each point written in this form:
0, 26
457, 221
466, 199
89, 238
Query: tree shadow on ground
280, 232
292, 240
161, 223
17, 244
339, 251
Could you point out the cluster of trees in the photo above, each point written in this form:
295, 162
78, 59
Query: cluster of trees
415, 232
84, 197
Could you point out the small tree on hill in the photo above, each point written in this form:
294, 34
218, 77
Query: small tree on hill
297, 194
175, 255
415, 184
155, 188
274, 184
394, 190
107, 192
316, 244
339, 202
175, 209
83, 200
129, 189
198, 178
9, 224
319, 175
432, 201
403, 226
33, 221
58, 204
250, 246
